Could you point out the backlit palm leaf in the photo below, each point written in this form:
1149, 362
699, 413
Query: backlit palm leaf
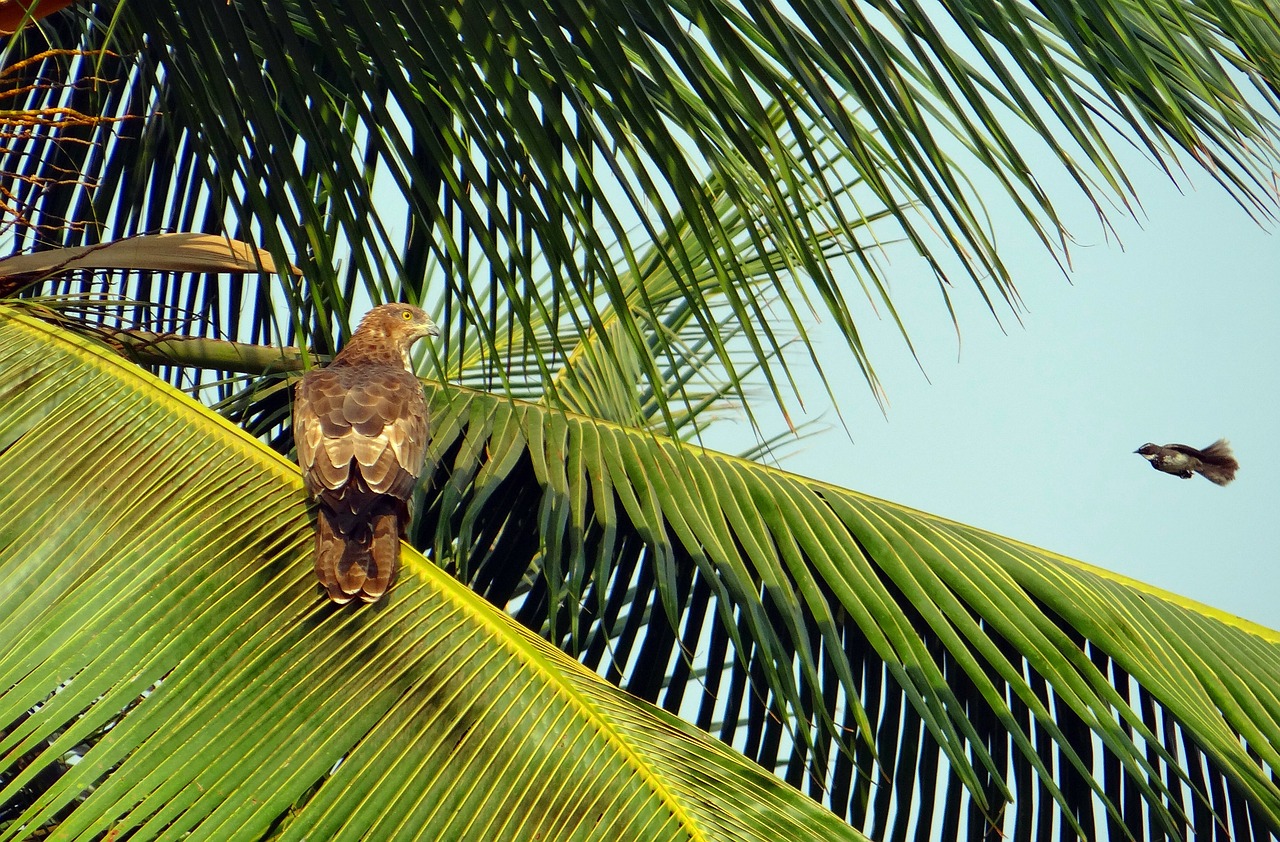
848, 611
391, 148
162, 627
1003, 658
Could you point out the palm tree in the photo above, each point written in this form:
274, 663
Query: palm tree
620, 214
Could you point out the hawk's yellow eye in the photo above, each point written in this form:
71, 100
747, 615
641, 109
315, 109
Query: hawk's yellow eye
408, 317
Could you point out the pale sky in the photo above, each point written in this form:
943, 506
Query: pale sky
1173, 338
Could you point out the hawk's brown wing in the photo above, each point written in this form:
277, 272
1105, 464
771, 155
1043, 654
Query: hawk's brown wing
375, 415
360, 433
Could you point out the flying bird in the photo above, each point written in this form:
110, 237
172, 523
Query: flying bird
1215, 463
360, 428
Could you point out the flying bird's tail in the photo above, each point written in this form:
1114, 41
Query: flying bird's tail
358, 556
1218, 465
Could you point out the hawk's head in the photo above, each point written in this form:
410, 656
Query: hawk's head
391, 328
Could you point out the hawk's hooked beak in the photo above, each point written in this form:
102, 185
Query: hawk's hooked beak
431, 329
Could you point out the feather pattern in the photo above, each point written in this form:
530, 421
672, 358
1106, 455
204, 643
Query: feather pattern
360, 429
1218, 465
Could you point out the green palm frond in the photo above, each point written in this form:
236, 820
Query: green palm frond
815, 629
705, 582
393, 148
163, 629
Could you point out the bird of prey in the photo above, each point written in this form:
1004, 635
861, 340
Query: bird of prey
360, 428
1215, 463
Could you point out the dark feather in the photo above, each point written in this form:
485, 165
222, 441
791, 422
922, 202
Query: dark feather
1219, 465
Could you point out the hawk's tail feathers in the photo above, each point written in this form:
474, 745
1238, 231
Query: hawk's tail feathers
1219, 466
384, 556
357, 562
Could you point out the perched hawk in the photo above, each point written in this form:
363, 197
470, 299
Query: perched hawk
360, 427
